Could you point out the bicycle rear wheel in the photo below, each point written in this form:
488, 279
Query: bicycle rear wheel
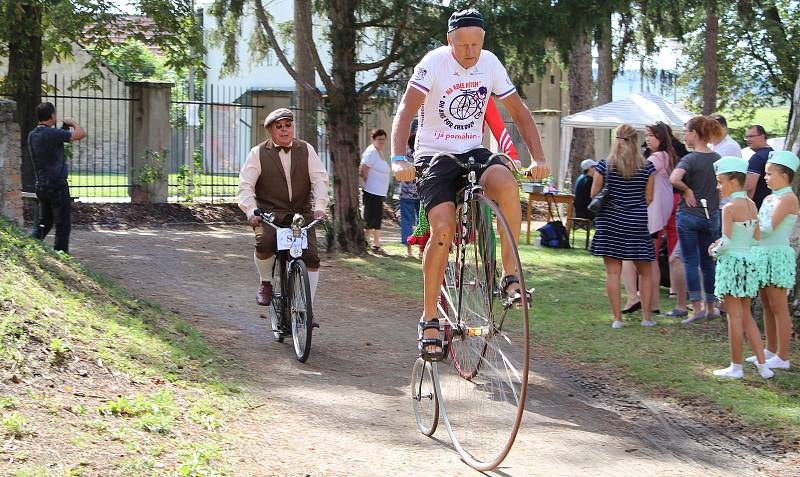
301, 314
481, 385
423, 398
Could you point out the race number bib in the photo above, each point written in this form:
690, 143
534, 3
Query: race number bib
287, 241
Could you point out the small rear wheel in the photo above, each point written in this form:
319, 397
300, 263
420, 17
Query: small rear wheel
301, 315
423, 397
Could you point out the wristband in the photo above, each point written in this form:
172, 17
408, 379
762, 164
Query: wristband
398, 158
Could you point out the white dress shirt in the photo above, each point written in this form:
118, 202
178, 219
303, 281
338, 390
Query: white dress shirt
251, 171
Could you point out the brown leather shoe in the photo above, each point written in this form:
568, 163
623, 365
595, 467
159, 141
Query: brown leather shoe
264, 295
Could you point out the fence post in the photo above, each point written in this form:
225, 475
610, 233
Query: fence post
10, 164
148, 147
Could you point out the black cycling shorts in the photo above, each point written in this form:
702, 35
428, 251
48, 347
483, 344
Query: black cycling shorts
441, 182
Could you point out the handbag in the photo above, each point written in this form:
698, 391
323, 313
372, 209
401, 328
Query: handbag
553, 233
599, 200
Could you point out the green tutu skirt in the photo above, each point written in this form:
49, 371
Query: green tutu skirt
776, 266
736, 275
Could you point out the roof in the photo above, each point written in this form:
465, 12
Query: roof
638, 110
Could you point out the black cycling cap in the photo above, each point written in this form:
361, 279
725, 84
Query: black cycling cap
465, 18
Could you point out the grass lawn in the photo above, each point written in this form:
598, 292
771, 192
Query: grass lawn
774, 121
572, 317
95, 381
84, 184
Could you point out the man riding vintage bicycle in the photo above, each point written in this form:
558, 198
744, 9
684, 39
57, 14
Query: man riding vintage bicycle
279, 176
449, 88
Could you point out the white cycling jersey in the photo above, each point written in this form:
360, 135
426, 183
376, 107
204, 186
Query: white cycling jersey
451, 118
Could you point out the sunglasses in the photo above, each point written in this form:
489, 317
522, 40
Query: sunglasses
624, 138
284, 125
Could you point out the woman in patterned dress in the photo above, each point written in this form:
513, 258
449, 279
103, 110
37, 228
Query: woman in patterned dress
621, 226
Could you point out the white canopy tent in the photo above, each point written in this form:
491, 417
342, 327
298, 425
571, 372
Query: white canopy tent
638, 110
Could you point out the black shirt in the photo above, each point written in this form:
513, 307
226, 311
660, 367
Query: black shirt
47, 152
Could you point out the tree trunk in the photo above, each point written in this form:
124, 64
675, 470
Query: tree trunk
710, 80
580, 99
793, 130
306, 128
342, 124
605, 63
24, 78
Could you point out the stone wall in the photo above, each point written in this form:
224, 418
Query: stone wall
10, 164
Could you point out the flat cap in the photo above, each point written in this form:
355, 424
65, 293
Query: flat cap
277, 115
465, 18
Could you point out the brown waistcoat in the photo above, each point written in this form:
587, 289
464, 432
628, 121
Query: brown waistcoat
272, 192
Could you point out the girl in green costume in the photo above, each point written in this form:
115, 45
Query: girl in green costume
776, 257
736, 276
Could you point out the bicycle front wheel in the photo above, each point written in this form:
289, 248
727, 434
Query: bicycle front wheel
481, 385
301, 315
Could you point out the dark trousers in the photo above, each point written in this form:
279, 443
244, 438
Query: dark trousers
55, 211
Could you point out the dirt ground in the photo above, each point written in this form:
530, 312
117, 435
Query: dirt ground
347, 411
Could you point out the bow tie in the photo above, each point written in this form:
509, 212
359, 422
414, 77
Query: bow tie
286, 149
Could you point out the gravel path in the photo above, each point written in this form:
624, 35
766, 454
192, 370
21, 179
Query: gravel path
347, 410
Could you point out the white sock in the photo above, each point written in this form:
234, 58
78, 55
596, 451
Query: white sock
313, 279
264, 267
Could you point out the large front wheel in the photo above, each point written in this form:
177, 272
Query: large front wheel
301, 315
482, 383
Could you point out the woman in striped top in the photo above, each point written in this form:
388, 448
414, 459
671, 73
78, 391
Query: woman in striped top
621, 227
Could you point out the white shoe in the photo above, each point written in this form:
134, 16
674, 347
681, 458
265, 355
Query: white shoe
734, 371
776, 362
767, 355
648, 323
617, 324
764, 371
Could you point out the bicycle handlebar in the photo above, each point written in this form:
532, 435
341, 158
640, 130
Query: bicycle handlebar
297, 221
470, 166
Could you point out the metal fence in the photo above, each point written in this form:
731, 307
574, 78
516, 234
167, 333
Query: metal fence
210, 140
210, 137
98, 164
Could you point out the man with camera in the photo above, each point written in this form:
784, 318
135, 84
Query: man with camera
46, 148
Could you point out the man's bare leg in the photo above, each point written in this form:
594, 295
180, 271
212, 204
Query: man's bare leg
442, 220
500, 186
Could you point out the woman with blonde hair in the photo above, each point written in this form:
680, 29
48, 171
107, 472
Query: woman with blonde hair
621, 225
698, 214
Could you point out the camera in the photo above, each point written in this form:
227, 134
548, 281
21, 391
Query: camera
65, 126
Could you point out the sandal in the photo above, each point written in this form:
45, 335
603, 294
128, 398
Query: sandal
513, 297
424, 352
376, 249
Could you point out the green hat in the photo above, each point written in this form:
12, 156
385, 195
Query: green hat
784, 158
730, 164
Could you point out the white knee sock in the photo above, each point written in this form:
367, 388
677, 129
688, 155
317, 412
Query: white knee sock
313, 279
264, 267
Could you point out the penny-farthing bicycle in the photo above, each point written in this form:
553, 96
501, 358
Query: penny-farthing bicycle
291, 311
479, 387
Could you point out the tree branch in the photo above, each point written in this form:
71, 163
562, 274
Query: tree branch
264, 21
766, 63
382, 77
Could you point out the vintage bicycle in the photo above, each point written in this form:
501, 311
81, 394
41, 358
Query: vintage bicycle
479, 387
291, 310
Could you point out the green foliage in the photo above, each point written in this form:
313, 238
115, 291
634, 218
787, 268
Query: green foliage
134, 61
153, 170
750, 77
197, 460
14, 424
59, 351
189, 178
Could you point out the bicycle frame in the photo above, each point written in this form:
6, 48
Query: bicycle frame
469, 192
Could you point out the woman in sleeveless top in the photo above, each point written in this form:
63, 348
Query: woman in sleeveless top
777, 218
737, 277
